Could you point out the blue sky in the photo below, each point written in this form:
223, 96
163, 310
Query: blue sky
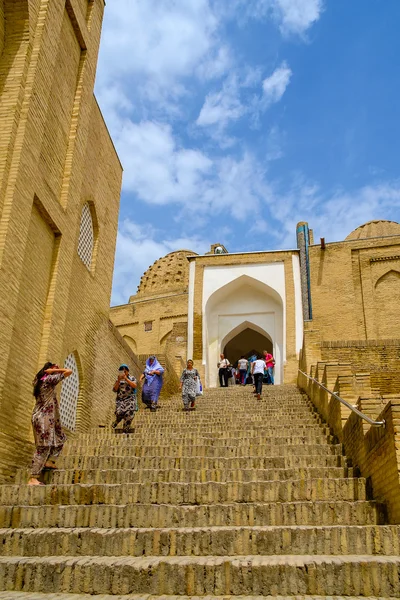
235, 119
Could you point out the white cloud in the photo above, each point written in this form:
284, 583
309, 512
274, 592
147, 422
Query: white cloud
275, 85
334, 214
157, 170
268, 215
291, 16
157, 39
296, 16
217, 64
274, 144
222, 107
138, 246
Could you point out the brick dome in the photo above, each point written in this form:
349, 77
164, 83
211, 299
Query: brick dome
167, 274
374, 229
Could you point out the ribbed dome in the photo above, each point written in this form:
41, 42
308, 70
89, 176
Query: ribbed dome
169, 273
374, 229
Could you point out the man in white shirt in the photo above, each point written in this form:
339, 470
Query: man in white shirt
223, 372
242, 364
257, 369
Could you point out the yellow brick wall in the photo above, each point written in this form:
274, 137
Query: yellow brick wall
163, 311
55, 156
355, 286
380, 359
373, 452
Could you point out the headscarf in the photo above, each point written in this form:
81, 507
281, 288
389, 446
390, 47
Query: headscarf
154, 366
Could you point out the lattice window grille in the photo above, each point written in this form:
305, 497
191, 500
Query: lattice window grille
69, 394
86, 237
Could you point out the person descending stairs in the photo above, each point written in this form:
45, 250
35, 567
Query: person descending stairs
240, 498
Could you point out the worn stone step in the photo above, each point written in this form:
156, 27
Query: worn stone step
131, 441
214, 541
167, 515
266, 449
221, 415
265, 575
199, 462
189, 433
248, 406
187, 476
188, 423
186, 493
202, 418
105, 435
47, 596
188, 426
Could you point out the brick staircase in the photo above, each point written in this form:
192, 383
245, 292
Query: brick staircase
236, 499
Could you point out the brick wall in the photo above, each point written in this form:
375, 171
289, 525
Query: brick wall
380, 358
355, 286
55, 156
342, 368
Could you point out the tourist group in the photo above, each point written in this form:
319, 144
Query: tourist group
48, 433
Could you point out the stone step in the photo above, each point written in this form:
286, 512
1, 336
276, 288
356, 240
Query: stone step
185, 493
187, 476
225, 414
132, 440
246, 404
189, 432
167, 515
188, 419
265, 575
200, 428
211, 451
47, 596
201, 419
196, 462
214, 541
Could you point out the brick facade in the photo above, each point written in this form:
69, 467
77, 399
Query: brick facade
55, 156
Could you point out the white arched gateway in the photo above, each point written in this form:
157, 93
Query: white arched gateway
244, 303
238, 308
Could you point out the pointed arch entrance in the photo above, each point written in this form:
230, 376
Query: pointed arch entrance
244, 304
245, 340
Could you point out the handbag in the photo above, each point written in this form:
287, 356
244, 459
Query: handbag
199, 387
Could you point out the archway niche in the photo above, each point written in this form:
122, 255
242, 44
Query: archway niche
244, 303
246, 343
387, 293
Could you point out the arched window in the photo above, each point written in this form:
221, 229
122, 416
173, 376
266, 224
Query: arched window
86, 237
387, 316
69, 394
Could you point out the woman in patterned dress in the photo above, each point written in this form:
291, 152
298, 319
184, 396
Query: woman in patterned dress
126, 402
188, 385
47, 430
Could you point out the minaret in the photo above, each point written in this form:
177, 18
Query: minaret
304, 239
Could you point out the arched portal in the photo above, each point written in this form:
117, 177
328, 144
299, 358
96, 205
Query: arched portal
243, 304
387, 290
246, 343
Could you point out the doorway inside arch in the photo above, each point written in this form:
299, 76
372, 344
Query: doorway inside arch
246, 343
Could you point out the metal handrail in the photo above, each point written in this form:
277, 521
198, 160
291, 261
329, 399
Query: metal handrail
350, 406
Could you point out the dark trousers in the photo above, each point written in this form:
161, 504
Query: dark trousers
223, 377
258, 382
243, 373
